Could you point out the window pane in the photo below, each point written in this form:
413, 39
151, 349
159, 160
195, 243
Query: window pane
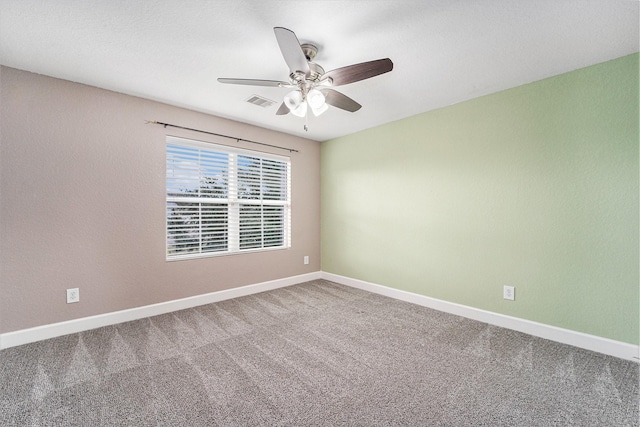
249, 169
215, 229
274, 186
182, 228
192, 171
194, 227
183, 175
250, 227
261, 226
264, 179
214, 174
273, 226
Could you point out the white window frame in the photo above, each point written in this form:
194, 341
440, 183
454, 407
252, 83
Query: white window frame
233, 202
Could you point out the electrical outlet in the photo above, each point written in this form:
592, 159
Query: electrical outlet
73, 295
509, 292
306, 259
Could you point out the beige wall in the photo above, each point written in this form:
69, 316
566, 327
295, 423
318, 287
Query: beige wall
82, 187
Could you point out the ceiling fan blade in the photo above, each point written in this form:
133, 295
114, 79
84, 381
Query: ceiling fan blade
291, 50
254, 82
339, 100
283, 110
357, 72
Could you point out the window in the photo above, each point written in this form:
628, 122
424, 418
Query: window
222, 200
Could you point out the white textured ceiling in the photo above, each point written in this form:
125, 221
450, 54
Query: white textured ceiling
444, 51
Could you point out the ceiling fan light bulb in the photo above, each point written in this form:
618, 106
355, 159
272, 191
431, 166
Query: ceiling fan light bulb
319, 110
301, 110
315, 98
293, 100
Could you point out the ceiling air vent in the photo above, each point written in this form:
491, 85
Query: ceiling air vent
260, 101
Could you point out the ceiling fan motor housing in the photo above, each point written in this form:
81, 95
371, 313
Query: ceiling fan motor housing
300, 79
315, 70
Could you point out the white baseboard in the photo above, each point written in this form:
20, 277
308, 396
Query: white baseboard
578, 339
565, 336
25, 336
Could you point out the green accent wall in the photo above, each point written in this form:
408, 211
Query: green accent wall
534, 187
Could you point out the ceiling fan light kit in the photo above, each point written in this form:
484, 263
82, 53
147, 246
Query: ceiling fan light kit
311, 85
297, 102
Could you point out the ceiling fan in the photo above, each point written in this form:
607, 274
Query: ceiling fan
311, 85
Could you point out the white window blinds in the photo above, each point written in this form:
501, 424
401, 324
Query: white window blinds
222, 200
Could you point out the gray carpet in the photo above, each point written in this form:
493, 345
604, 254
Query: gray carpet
317, 353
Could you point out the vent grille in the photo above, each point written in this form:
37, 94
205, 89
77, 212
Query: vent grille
260, 101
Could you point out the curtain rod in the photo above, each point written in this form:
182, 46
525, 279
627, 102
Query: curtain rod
153, 122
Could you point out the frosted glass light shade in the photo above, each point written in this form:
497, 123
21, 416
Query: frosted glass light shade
319, 110
293, 100
301, 110
315, 98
